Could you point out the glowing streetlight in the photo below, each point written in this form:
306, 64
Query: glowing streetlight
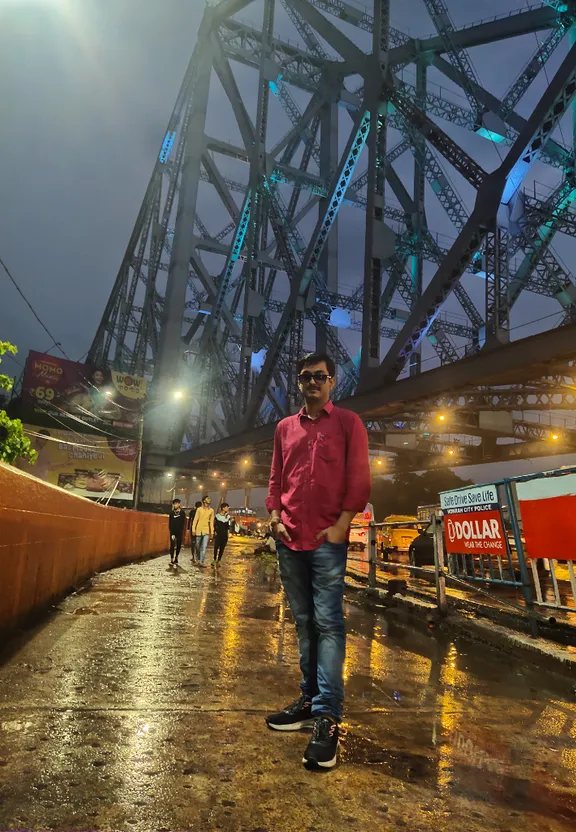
245, 462
555, 437
215, 474
379, 462
178, 394
451, 452
169, 475
223, 485
200, 486
441, 417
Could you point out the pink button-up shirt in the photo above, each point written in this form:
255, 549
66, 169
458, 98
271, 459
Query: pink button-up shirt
320, 468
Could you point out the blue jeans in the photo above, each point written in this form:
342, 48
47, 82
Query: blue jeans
314, 584
202, 546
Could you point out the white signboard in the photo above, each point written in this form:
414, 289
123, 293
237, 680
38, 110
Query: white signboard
469, 498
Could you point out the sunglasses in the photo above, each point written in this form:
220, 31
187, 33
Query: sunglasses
306, 378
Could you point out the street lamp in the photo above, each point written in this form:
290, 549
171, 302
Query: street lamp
245, 462
554, 437
147, 407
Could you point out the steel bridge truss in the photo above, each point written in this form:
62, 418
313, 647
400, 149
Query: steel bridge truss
232, 266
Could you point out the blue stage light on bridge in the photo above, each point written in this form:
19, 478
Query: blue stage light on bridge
490, 135
274, 85
258, 359
167, 146
340, 318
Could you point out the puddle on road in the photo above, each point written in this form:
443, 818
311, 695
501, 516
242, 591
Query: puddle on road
267, 613
524, 794
401, 765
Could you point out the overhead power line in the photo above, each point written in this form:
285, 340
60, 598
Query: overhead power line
31, 308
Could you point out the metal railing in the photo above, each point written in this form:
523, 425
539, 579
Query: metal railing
545, 583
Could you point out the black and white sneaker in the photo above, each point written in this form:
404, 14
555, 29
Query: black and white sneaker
323, 746
293, 717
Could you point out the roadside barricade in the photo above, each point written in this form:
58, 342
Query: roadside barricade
509, 541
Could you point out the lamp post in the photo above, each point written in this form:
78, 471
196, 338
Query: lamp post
178, 396
138, 471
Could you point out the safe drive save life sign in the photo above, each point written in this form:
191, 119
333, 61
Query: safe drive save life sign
473, 521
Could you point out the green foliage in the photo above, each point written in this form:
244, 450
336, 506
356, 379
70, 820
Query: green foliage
13, 443
406, 491
5, 381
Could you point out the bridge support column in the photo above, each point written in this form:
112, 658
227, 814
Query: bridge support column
170, 365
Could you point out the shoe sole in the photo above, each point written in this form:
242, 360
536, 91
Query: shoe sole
295, 726
313, 765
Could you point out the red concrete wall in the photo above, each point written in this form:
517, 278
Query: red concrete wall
51, 541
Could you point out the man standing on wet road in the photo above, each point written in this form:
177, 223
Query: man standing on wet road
191, 516
203, 528
320, 478
222, 522
177, 526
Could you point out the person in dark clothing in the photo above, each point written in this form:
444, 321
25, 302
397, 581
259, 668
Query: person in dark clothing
421, 550
190, 526
177, 526
222, 523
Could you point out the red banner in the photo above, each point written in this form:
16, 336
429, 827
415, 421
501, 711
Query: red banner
548, 510
475, 533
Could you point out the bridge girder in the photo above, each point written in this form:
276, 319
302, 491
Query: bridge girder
223, 305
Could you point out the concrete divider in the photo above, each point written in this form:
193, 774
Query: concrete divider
51, 541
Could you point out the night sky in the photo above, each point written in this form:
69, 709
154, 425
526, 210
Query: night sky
86, 89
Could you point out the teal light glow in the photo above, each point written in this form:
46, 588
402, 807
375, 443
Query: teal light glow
490, 135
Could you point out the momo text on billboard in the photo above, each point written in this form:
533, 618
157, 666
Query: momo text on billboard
473, 521
70, 394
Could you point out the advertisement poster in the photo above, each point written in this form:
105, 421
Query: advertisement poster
59, 391
84, 464
473, 521
548, 510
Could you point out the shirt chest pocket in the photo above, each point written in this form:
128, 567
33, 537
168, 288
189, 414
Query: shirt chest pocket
325, 449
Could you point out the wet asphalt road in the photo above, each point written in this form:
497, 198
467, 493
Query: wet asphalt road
140, 704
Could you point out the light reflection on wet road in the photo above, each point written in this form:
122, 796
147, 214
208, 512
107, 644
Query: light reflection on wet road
139, 705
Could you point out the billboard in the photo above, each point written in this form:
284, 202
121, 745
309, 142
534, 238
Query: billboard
473, 521
57, 391
548, 509
83, 464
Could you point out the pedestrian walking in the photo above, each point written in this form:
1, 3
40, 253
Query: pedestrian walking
192, 535
203, 528
177, 526
320, 478
222, 524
